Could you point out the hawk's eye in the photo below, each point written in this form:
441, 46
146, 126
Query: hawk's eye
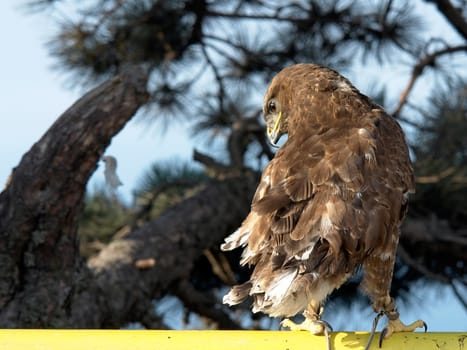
272, 106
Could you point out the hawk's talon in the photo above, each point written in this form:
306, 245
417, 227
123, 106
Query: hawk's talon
326, 325
314, 326
381, 337
373, 329
395, 326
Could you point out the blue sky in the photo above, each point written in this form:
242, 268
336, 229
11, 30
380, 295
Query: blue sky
33, 96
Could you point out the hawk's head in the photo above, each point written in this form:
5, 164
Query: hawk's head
275, 111
306, 90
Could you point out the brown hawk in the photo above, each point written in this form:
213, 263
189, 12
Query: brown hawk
330, 201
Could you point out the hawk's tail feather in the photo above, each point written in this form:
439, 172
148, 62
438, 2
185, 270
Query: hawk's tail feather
238, 294
237, 239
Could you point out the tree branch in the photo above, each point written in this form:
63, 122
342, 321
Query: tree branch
220, 267
39, 207
435, 178
418, 69
460, 296
204, 305
434, 238
453, 15
144, 211
174, 241
420, 267
234, 15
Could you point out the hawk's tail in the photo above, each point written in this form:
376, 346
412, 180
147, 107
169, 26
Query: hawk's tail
238, 294
237, 239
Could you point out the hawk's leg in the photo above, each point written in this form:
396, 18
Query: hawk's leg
377, 282
312, 322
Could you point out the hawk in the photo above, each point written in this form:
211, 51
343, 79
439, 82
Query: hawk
331, 201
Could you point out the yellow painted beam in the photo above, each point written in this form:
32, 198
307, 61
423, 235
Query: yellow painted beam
19, 339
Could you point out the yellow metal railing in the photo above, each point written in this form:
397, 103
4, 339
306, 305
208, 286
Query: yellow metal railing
16, 339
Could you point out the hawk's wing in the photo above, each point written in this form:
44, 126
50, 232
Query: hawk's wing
324, 203
331, 189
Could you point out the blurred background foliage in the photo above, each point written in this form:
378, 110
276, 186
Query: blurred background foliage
209, 62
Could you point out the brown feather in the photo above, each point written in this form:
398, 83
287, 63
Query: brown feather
298, 187
330, 201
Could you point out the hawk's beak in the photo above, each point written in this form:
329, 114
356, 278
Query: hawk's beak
274, 133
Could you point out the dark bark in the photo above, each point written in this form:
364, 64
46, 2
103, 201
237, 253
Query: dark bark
174, 240
39, 257
453, 15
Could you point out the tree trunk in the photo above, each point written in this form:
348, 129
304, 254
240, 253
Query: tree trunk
43, 280
39, 207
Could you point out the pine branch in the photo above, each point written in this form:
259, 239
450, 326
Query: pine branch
234, 15
428, 60
453, 15
420, 267
217, 75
